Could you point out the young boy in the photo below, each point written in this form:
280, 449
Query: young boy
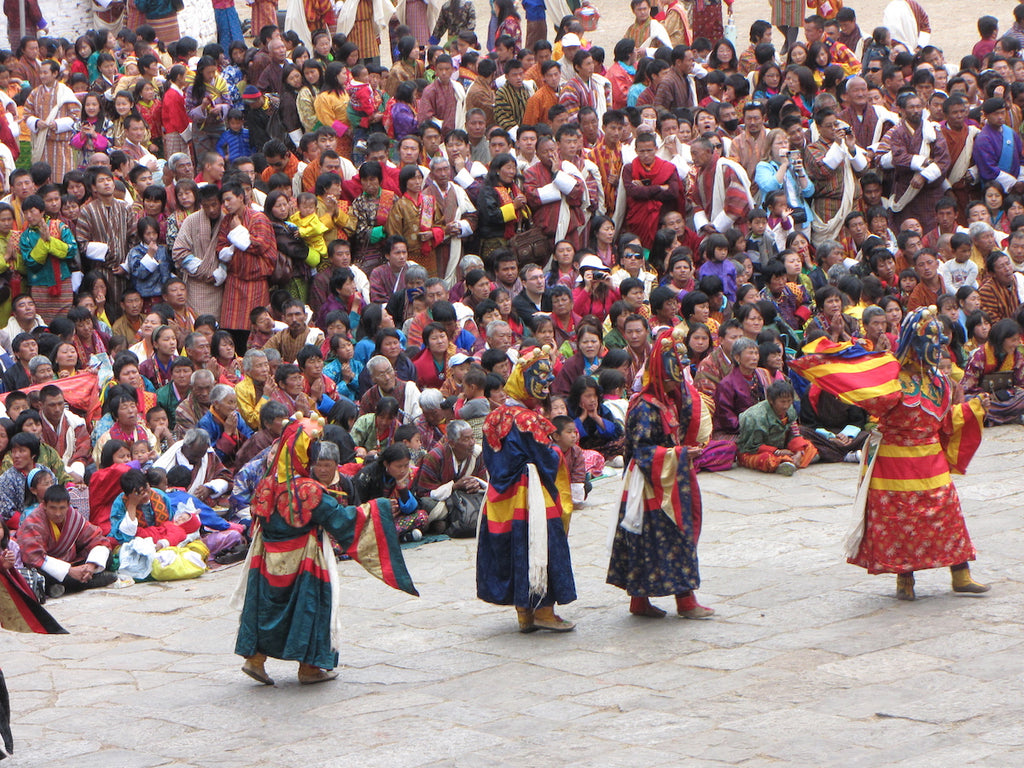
261, 327
960, 270
472, 405
758, 241
311, 228
908, 282
234, 141
567, 438
769, 439
365, 110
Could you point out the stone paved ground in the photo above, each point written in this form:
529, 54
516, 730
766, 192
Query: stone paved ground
809, 661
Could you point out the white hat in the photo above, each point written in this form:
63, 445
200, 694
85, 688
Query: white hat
569, 40
458, 359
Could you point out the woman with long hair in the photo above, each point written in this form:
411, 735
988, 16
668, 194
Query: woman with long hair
800, 86
723, 57
186, 202
278, 208
331, 105
508, 23
390, 478
312, 83
497, 221
408, 66
768, 82
207, 104
400, 113
291, 86
997, 367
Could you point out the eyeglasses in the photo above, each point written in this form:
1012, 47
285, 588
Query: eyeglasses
632, 255
874, 69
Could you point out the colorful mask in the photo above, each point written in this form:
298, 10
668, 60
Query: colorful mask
673, 356
538, 378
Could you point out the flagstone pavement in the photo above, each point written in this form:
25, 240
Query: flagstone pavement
808, 661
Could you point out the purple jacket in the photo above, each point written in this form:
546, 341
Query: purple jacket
734, 395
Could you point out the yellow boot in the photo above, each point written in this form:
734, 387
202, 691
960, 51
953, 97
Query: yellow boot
905, 586
308, 674
962, 581
545, 618
526, 624
253, 667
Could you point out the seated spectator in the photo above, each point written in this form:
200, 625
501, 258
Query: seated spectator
769, 438
385, 383
273, 416
31, 422
432, 416
146, 513
70, 552
584, 362
210, 479
65, 432
454, 465
389, 477
296, 335
997, 367
596, 424
743, 386
105, 482
225, 426
388, 344
24, 454
194, 406
127, 425
373, 432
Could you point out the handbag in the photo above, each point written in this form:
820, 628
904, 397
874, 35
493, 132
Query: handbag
999, 381
282, 274
531, 245
463, 512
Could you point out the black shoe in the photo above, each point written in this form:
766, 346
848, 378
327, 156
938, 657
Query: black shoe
101, 579
235, 554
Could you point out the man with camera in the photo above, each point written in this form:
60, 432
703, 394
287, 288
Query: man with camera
831, 163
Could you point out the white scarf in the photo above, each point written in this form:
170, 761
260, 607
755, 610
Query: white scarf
964, 160
928, 136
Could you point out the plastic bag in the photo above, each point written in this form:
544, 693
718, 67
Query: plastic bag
136, 559
730, 28
176, 563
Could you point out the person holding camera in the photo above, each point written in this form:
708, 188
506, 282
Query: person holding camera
594, 294
781, 169
831, 163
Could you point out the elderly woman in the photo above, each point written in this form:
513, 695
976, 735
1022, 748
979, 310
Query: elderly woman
830, 317
742, 387
224, 424
997, 368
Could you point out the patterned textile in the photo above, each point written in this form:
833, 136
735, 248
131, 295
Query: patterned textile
60, 102
454, 17
288, 602
246, 285
913, 518
662, 421
516, 438
20, 611
788, 13
76, 539
510, 106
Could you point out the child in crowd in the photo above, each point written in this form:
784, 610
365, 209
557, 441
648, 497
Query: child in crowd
311, 228
769, 436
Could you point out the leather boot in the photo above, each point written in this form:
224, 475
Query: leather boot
526, 624
308, 674
253, 667
641, 606
545, 618
688, 607
905, 586
962, 581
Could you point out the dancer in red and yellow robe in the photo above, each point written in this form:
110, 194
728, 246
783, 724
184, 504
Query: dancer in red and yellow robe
912, 516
